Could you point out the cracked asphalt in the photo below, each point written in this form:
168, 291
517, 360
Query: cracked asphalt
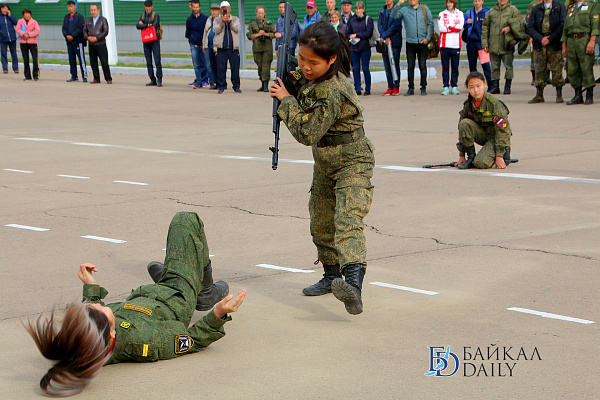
485, 241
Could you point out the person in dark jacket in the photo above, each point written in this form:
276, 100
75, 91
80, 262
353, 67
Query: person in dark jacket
390, 31
360, 30
72, 30
147, 19
545, 27
473, 21
8, 39
194, 33
95, 32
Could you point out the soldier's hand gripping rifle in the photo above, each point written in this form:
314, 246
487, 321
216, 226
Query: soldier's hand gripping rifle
284, 64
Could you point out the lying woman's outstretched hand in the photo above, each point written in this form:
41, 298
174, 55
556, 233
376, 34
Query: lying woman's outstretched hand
223, 307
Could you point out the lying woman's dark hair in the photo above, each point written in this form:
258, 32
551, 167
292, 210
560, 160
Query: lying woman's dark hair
326, 42
79, 347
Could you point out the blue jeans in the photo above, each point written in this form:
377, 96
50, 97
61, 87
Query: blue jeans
153, 49
4, 46
473, 54
199, 61
450, 58
363, 57
209, 67
75, 51
388, 69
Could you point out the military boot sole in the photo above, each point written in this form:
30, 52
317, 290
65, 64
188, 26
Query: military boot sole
318, 289
211, 295
155, 270
536, 100
348, 295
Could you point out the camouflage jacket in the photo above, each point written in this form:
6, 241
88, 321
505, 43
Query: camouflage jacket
259, 45
584, 19
491, 30
330, 107
146, 329
492, 115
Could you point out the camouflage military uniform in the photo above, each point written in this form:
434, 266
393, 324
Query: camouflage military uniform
152, 323
529, 8
492, 37
548, 59
341, 191
262, 47
581, 24
487, 127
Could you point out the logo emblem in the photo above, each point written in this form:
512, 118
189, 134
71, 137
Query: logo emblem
125, 324
440, 359
183, 343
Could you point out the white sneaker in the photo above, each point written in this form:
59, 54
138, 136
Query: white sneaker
446, 91
454, 91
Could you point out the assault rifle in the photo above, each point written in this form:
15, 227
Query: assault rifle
284, 65
453, 164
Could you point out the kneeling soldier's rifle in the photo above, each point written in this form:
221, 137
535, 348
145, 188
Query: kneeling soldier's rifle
453, 164
284, 64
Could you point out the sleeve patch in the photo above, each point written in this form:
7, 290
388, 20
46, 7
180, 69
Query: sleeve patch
297, 75
305, 118
138, 308
596, 17
183, 343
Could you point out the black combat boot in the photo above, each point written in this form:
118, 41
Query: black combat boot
578, 99
507, 86
506, 156
324, 285
589, 95
470, 158
349, 291
539, 96
210, 294
559, 98
532, 78
495, 88
261, 88
265, 86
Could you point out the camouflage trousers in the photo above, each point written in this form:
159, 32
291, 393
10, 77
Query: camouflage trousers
546, 60
507, 60
580, 65
186, 257
341, 196
469, 133
263, 60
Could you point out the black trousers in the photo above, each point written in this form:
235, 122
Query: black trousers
412, 51
25, 49
99, 51
153, 49
76, 52
234, 63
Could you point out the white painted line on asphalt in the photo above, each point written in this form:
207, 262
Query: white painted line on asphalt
31, 228
549, 315
269, 266
388, 167
104, 239
74, 176
409, 289
18, 170
132, 183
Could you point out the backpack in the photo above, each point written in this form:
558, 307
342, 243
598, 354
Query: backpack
374, 39
433, 47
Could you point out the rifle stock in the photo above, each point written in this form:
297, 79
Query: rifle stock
284, 64
453, 164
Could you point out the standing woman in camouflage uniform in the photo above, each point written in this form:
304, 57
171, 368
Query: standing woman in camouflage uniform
495, 27
582, 25
262, 31
151, 324
326, 114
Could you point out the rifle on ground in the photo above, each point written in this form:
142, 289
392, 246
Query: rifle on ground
284, 64
390, 53
453, 164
